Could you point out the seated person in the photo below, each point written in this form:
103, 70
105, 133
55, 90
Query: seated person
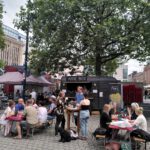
131, 111
10, 110
113, 108
20, 105
42, 113
52, 106
105, 117
140, 121
31, 115
34, 103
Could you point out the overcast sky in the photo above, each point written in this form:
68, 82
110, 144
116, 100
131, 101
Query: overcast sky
11, 7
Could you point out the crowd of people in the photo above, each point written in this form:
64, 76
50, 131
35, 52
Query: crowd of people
29, 113
35, 113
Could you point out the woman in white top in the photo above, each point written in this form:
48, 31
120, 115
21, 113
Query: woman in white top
140, 121
42, 113
9, 111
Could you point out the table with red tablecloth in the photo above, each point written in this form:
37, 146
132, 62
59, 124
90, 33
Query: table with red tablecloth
115, 136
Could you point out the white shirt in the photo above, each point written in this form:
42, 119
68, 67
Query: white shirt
33, 95
141, 122
42, 114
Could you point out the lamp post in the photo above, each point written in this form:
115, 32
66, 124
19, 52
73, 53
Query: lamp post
26, 52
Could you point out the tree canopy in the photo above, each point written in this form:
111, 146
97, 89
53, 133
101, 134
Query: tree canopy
69, 32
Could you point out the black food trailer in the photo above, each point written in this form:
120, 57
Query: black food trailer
101, 89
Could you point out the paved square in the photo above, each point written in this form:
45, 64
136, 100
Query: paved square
48, 141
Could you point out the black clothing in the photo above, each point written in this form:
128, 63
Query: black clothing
59, 119
133, 116
104, 119
111, 112
85, 107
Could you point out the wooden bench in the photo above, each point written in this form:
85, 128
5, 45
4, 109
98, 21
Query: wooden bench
101, 137
139, 140
35, 128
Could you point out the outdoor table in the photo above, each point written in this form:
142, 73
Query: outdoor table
69, 112
115, 130
13, 119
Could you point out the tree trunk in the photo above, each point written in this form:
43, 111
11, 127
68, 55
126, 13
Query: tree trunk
98, 66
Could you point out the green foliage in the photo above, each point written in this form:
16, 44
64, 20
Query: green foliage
69, 32
2, 43
2, 64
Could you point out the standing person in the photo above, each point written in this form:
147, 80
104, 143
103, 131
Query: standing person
18, 94
60, 117
145, 94
78, 97
84, 107
33, 94
61, 97
2, 92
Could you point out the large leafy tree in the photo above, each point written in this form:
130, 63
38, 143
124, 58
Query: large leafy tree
68, 32
2, 43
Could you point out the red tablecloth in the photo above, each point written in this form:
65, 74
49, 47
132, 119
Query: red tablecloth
119, 128
15, 118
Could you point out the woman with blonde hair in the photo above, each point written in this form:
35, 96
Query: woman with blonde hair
131, 111
10, 110
140, 121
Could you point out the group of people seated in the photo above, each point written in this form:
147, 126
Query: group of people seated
30, 114
22, 114
133, 114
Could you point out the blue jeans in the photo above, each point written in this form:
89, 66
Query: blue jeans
84, 126
50, 117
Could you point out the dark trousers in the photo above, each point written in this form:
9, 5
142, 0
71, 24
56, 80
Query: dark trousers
59, 119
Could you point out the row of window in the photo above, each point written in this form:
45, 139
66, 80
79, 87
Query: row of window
10, 55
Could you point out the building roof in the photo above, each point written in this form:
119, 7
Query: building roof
8, 31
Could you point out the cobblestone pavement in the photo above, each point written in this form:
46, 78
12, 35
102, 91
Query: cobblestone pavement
48, 141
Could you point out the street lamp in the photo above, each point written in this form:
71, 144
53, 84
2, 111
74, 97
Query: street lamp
26, 51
